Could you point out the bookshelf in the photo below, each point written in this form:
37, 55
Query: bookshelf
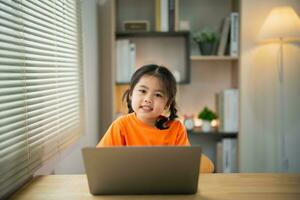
204, 76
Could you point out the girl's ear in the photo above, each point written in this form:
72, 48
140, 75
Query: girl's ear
166, 112
167, 107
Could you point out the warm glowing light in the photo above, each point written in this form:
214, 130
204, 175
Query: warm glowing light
197, 122
214, 123
281, 23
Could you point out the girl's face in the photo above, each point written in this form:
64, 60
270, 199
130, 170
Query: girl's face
148, 99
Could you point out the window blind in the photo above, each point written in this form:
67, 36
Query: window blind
40, 85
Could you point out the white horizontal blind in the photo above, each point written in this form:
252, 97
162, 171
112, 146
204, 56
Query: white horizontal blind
40, 85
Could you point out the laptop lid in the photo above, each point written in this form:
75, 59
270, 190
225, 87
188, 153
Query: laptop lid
142, 170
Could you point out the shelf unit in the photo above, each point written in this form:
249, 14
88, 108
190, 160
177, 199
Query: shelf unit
208, 75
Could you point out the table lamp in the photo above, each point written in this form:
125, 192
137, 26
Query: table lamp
281, 25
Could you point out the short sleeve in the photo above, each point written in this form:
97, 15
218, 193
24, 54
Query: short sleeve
113, 136
182, 138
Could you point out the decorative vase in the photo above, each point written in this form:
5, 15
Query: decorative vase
206, 48
206, 127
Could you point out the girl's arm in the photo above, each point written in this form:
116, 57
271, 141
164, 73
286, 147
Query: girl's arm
206, 165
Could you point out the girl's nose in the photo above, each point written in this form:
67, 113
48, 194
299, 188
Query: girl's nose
148, 100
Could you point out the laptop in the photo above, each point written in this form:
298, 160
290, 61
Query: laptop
142, 170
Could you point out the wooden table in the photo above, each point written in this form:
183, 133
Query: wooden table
211, 187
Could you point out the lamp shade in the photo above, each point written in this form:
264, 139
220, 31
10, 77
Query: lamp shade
281, 23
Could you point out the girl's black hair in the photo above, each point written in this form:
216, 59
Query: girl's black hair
168, 82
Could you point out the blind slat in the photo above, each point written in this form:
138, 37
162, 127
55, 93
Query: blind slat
49, 114
35, 57
10, 134
32, 30
37, 43
14, 182
13, 151
12, 170
22, 69
40, 85
9, 146
12, 47
58, 16
34, 18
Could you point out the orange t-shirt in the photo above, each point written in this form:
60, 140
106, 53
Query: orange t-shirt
128, 130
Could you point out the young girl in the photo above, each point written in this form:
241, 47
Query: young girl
151, 94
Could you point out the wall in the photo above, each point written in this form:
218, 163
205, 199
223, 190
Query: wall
259, 148
259, 140
70, 162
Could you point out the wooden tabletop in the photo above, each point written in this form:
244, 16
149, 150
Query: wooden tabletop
211, 187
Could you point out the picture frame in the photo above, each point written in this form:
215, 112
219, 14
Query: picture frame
136, 25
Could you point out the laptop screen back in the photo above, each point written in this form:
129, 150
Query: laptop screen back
142, 170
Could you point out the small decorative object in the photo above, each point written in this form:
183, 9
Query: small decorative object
188, 122
207, 41
184, 25
138, 25
207, 115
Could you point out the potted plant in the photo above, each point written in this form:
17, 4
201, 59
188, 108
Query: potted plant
207, 40
207, 115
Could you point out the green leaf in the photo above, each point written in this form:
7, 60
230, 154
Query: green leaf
207, 114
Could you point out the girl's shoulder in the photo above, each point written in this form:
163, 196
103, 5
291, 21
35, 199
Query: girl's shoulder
126, 121
125, 118
176, 123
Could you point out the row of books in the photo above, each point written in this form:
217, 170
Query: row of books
229, 36
226, 151
227, 104
166, 15
126, 60
167, 19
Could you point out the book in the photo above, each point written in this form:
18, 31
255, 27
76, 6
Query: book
228, 110
164, 15
229, 155
226, 155
176, 23
219, 157
171, 15
226, 151
220, 110
132, 59
224, 36
157, 15
126, 55
119, 60
234, 34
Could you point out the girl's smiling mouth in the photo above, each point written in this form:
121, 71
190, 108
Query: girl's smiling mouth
146, 108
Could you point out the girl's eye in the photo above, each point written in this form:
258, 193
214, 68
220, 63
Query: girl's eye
142, 91
158, 95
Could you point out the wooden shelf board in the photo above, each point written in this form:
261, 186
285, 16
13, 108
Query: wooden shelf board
208, 58
213, 134
152, 34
